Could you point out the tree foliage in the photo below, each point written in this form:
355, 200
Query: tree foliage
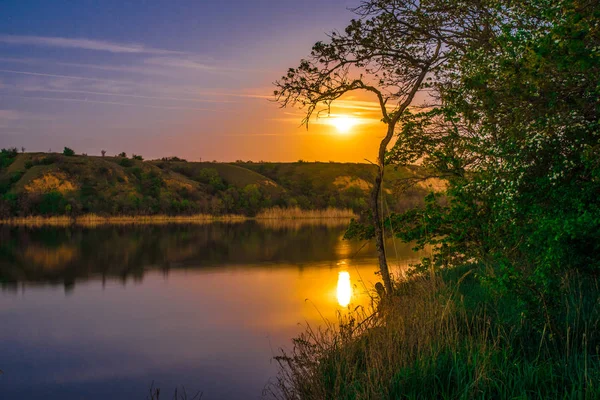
516, 136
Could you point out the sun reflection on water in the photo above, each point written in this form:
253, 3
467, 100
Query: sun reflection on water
344, 289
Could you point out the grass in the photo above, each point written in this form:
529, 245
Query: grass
297, 213
430, 341
269, 217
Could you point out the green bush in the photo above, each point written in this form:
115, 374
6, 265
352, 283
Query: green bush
68, 152
52, 203
125, 162
7, 156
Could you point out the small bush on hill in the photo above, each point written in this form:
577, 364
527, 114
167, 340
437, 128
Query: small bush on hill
125, 162
7, 156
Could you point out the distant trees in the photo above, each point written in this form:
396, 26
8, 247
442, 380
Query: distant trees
103, 152
68, 152
137, 157
122, 154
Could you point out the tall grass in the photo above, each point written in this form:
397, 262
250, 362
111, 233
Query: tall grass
272, 214
429, 342
297, 213
91, 220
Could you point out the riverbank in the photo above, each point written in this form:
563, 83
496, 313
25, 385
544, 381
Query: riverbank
448, 337
270, 216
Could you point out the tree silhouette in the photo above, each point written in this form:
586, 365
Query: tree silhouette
388, 52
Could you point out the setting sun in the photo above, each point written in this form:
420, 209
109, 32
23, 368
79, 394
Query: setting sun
343, 124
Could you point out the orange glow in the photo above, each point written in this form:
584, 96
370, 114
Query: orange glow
344, 123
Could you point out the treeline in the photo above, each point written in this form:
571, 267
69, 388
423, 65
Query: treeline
52, 184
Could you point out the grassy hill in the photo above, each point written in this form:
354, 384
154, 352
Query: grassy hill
57, 184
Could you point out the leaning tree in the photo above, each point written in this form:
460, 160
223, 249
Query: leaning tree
393, 50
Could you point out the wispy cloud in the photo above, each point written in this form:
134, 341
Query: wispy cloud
9, 115
178, 62
91, 101
195, 63
83, 44
10, 71
185, 99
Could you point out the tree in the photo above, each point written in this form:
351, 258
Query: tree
68, 152
516, 135
388, 52
103, 152
137, 157
22, 149
122, 154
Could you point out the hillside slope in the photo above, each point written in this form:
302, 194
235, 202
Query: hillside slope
55, 184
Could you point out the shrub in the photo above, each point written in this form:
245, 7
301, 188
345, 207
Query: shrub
137, 157
125, 162
7, 156
52, 203
68, 152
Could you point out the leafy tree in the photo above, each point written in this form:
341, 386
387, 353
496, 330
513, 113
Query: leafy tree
123, 154
516, 135
137, 157
103, 152
68, 152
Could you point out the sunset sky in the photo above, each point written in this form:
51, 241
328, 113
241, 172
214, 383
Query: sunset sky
160, 78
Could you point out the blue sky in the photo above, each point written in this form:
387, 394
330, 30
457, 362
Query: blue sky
158, 78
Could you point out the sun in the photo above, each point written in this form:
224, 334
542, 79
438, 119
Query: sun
343, 124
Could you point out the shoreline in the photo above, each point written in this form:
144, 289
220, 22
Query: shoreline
270, 216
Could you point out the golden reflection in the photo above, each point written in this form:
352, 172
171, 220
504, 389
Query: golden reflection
344, 289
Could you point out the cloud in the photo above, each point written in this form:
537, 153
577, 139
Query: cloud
83, 44
197, 64
180, 63
9, 115
92, 101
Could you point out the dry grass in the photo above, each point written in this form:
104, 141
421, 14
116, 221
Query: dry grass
298, 223
91, 220
272, 217
297, 213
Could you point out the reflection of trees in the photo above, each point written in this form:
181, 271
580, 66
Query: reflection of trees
62, 255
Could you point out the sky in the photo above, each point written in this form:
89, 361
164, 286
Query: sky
186, 78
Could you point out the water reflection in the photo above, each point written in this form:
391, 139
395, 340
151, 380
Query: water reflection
67, 255
344, 289
204, 306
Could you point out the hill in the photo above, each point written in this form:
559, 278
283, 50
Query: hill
57, 184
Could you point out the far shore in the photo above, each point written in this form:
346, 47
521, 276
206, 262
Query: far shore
269, 217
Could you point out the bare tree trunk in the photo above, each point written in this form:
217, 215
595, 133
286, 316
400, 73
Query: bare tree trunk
378, 212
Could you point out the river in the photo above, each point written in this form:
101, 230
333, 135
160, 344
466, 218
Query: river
106, 312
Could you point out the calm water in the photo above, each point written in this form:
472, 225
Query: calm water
102, 313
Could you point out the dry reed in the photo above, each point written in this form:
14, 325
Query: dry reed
297, 213
330, 217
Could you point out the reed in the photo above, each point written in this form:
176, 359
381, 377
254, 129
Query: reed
333, 216
297, 213
91, 220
